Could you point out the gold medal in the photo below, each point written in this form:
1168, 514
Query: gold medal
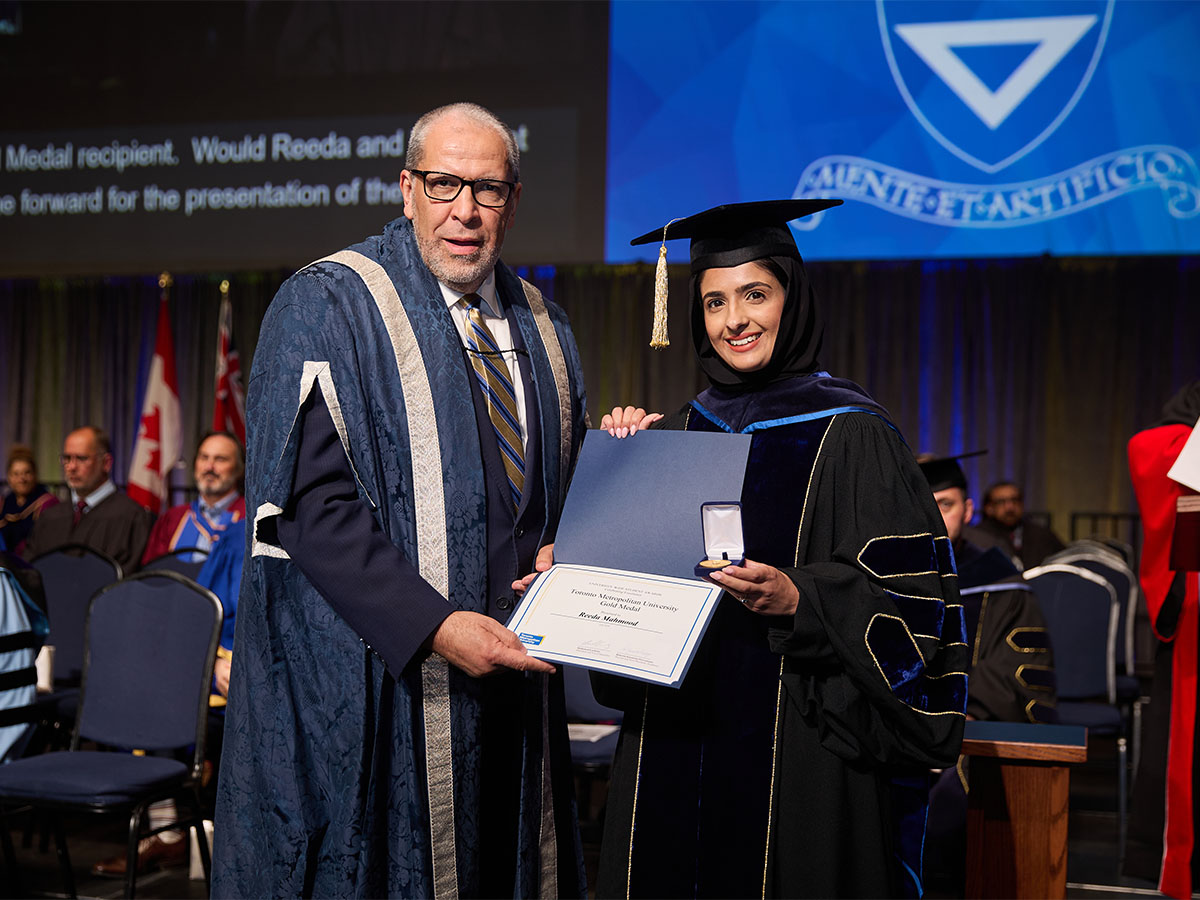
715, 563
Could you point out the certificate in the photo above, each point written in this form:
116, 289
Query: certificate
638, 625
624, 597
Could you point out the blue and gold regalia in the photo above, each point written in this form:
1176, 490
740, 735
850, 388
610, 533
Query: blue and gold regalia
351, 768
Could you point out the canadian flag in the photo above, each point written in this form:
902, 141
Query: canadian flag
229, 410
159, 441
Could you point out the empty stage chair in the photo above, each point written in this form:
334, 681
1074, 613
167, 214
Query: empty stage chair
150, 644
1081, 610
594, 730
582, 708
71, 575
184, 560
1109, 564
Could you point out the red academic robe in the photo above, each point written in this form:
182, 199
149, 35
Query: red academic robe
164, 536
1151, 454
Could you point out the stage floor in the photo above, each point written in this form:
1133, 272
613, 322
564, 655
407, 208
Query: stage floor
1092, 867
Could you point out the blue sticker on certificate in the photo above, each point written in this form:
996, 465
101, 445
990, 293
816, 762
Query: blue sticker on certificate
639, 625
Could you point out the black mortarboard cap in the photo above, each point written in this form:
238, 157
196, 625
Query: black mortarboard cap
736, 233
727, 236
944, 472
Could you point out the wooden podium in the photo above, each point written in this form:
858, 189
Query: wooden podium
1017, 807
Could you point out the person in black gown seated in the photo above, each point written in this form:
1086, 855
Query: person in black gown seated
794, 760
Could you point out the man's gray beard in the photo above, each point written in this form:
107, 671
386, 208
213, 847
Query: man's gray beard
458, 274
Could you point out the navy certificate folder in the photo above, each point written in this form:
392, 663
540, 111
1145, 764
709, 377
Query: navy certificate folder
634, 503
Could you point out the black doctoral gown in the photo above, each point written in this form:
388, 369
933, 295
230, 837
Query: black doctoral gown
1011, 663
793, 762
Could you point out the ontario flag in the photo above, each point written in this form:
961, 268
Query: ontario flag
229, 410
159, 442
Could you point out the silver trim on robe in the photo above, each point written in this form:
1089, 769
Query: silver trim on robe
432, 556
562, 384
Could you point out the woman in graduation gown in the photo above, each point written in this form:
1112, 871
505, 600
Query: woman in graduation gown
794, 760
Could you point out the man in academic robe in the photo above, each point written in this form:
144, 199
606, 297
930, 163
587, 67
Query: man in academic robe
1006, 526
98, 515
1165, 815
1011, 666
218, 472
413, 416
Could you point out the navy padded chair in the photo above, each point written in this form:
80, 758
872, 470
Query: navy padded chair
181, 560
591, 760
1081, 610
1110, 565
71, 576
1107, 545
150, 644
583, 708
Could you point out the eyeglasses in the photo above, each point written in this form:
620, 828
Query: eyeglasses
78, 458
444, 187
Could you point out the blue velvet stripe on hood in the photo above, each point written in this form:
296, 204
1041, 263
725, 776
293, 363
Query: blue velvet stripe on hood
783, 402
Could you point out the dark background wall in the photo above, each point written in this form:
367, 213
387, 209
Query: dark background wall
1050, 363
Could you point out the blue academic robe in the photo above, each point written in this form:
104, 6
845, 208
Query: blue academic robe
222, 574
352, 759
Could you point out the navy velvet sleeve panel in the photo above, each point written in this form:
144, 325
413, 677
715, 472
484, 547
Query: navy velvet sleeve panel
876, 656
1012, 668
333, 538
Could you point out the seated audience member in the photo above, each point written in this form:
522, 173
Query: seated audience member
25, 500
1011, 666
99, 516
1006, 526
200, 524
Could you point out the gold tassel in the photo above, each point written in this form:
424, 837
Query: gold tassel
658, 334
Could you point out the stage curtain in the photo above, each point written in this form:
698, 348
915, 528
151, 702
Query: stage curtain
1048, 363
74, 353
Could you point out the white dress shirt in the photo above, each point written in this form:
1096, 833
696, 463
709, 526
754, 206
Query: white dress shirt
94, 498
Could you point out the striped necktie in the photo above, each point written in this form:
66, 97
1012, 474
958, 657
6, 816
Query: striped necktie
497, 384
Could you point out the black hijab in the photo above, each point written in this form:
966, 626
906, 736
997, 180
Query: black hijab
796, 346
732, 235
